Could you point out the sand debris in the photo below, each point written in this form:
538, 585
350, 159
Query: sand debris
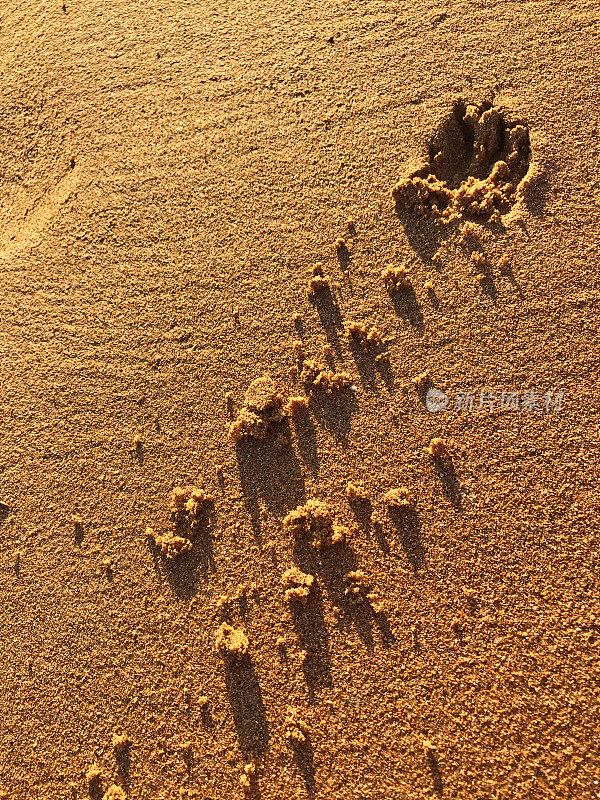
231, 643
263, 408
318, 378
171, 545
314, 520
396, 279
476, 159
296, 730
356, 493
358, 588
114, 792
364, 334
296, 405
298, 585
437, 448
399, 499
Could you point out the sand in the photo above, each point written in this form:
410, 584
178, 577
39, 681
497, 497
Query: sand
169, 175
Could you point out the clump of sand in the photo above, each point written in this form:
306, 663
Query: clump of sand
296, 730
356, 493
296, 405
263, 408
314, 521
437, 448
114, 792
359, 589
318, 378
297, 584
364, 334
189, 509
231, 643
399, 499
170, 544
396, 279
476, 159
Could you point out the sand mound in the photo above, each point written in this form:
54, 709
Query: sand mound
476, 158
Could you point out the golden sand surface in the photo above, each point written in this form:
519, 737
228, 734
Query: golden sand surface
273, 278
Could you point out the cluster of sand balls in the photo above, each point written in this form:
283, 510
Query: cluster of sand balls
477, 158
319, 378
364, 334
189, 510
314, 521
263, 408
298, 585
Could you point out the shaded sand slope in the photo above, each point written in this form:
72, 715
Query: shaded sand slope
169, 173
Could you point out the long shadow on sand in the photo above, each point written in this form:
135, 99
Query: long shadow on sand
270, 472
408, 529
185, 572
247, 707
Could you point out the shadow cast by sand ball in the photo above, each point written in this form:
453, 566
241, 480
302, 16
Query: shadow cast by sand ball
369, 353
306, 440
268, 467
407, 524
269, 472
330, 316
434, 768
334, 411
306, 609
364, 606
406, 306
122, 751
445, 471
243, 691
184, 554
297, 736
443, 465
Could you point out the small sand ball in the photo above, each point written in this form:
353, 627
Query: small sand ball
298, 585
340, 244
398, 498
263, 408
298, 348
114, 792
317, 284
296, 405
428, 286
396, 279
231, 643
317, 269
437, 448
318, 378
356, 493
337, 534
171, 545
296, 730
262, 394
358, 588
422, 380
179, 497
364, 334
